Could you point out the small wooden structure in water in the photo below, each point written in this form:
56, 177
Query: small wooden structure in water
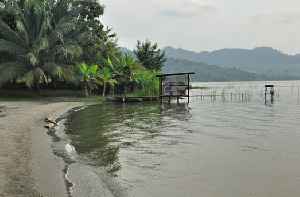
173, 86
272, 92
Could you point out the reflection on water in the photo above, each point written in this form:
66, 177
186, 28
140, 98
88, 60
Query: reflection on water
98, 132
222, 146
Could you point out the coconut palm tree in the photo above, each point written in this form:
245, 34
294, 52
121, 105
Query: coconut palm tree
37, 43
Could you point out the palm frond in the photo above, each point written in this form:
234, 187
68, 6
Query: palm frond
10, 47
10, 72
43, 44
32, 59
6, 65
34, 75
8, 34
68, 50
40, 74
66, 25
29, 79
52, 68
68, 72
21, 28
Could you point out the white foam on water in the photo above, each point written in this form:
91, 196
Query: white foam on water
71, 150
57, 127
81, 108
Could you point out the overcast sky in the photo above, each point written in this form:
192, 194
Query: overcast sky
206, 25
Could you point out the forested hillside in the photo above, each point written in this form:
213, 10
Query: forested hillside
187, 61
205, 72
260, 60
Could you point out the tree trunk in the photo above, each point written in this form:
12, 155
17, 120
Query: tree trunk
112, 89
104, 87
36, 86
54, 80
86, 90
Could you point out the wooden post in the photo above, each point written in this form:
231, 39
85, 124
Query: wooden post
188, 88
160, 90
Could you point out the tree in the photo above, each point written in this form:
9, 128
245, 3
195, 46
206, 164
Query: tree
88, 76
126, 68
151, 57
97, 43
107, 75
44, 39
26, 42
37, 44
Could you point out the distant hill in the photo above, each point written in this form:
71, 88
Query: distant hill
127, 51
261, 60
205, 72
262, 63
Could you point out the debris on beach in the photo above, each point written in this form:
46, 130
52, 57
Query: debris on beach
50, 119
50, 122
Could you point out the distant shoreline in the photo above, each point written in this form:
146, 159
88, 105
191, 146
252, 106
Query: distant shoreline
28, 167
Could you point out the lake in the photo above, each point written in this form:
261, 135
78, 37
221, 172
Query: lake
229, 140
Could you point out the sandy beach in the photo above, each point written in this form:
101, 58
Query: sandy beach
27, 165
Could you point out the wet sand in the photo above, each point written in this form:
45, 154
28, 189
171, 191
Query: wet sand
27, 165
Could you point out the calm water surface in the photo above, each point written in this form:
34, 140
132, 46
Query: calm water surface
222, 143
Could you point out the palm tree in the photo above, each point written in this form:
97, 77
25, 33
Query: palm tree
37, 44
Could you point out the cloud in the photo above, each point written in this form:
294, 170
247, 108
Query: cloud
187, 10
176, 13
279, 19
200, 5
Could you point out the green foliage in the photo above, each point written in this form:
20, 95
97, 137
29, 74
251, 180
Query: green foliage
148, 83
151, 57
107, 76
41, 41
260, 60
44, 39
88, 77
38, 51
124, 70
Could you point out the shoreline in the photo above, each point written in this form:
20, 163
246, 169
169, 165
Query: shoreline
27, 165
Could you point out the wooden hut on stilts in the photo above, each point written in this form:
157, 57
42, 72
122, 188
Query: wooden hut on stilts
174, 85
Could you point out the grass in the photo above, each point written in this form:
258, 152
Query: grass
48, 95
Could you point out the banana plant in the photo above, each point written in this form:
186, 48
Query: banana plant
107, 77
88, 76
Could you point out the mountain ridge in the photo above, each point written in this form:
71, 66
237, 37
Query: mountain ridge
260, 63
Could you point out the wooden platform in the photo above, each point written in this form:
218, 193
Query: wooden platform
133, 98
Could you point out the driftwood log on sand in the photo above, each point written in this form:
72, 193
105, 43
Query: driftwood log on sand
50, 122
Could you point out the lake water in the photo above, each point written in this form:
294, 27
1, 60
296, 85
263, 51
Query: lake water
227, 141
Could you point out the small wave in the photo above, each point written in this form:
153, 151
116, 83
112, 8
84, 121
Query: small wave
71, 150
57, 126
80, 108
